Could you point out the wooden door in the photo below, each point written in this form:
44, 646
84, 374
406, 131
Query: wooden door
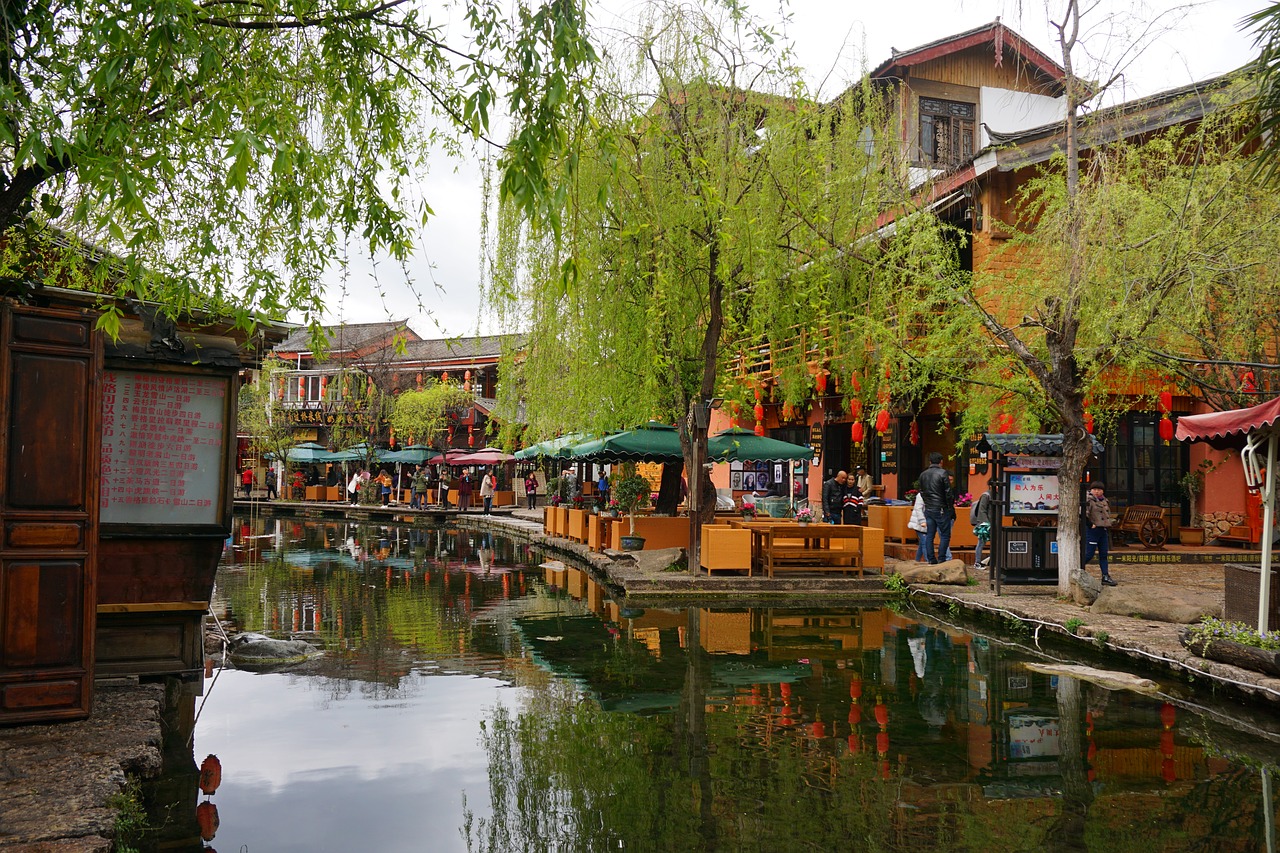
50, 364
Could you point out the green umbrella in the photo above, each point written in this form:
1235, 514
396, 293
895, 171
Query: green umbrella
652, 442
411, 455
743, 445
308, 451
552, 446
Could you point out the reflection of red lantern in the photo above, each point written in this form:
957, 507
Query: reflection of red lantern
785, 689
914, 433
882, 743
856, 432
207, 820
818, 728
1168, 715
882, 715
1088, 423
882, 420
855, 715
1166, 429
1166, 402
1169, 771
855, 689
854, 745
210, 772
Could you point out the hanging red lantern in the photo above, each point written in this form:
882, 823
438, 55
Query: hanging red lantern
759, 430
210, 773
785, 689
1165, 402
759, 411
1005, 423
882, 420
855, 408
855, 432
757, 390
1248, 382
853, 382
207, 820
471, 436
1169, 771
1088, 423
1166, 429
914, 433
821, 381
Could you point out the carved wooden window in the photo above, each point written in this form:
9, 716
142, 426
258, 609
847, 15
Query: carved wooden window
946, 132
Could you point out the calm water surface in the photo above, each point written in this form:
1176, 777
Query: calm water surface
469, 700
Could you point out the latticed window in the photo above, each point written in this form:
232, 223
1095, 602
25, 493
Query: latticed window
946, 131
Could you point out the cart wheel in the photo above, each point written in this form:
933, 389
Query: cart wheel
1153, 533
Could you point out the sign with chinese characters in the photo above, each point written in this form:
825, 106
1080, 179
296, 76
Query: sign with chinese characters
1031, 494
163, 448
1034, 462
889, 449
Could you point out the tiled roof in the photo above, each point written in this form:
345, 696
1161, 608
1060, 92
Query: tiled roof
986, 33
485, 347
347, 336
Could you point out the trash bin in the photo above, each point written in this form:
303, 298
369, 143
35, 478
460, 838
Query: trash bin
1029, 555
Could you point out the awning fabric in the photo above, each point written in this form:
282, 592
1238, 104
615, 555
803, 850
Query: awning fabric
1228, 429
743, 445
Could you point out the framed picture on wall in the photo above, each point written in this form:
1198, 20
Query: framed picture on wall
735, 467
749, 481
735, 480
777, 472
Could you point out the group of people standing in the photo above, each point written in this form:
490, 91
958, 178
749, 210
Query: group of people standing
421, 482
844, 499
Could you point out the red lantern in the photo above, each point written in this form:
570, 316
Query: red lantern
1166, 402
914, 433
856, 432
471, 436
821, 381
855, 408
1166, 429
759, 428
210, 773
1088, 423
785, 689
854, 746
1248, 383
757, 390
759, 411
1005, 423
882, 420
207, 820
1166, 743
853, 382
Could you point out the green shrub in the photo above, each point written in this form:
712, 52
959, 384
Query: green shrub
1073, 624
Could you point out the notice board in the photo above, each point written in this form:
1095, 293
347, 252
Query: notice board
163, 448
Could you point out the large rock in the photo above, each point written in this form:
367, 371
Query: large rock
251, 649
657, 560
1157, 602
949, 572
1085, 588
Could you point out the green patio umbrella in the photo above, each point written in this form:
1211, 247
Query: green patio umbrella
552, 446
306, 452
414, 454
652, 442
743, 445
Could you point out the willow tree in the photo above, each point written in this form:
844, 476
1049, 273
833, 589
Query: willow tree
1119, 253
424, 414
715, 202
226, 151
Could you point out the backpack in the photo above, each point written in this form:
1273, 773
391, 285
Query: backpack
973, 509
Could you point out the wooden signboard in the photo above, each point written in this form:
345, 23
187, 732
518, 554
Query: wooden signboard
889, 450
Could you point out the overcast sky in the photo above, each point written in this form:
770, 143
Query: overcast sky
438, 291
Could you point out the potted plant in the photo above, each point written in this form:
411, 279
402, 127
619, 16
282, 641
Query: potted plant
611, 509
631, 492
748, 509
804, 515
1191, 484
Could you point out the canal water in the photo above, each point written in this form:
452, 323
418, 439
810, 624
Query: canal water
470, 700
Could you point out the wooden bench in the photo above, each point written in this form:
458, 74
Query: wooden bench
817, 547
1144, 522
1241, 533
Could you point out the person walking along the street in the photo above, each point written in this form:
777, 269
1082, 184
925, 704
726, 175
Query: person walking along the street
418, 500
531, 490
246, 481
1097, 514
980, 516
833, 497
444, 488
939, 507
271, 483
488, 485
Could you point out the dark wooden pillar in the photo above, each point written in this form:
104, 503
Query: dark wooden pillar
50, 366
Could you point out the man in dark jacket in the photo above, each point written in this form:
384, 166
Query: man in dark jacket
939, 507
833, 497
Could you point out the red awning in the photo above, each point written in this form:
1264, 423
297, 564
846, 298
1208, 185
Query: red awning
1228, 429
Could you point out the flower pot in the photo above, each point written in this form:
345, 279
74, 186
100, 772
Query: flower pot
803, 523
1191, 535
632, 543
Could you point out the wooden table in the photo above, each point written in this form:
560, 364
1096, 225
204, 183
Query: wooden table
805, 547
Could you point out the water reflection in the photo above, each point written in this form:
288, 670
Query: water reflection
473, 700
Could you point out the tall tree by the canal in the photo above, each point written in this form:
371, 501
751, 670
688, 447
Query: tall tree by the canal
233, 149
714, 204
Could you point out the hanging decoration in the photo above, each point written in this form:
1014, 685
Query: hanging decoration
1165, 402
882, 421
821, 381
856, 432
1248, 383
392, 439
914, 433
759, 411
1166, 429
855, 408
1005, 423
471, 435
759, 430
1088, 423
210, 774
466, 381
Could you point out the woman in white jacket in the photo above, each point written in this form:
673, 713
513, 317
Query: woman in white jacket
919, 525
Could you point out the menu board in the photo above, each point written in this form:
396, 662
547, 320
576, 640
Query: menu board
163, 448
889, 449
